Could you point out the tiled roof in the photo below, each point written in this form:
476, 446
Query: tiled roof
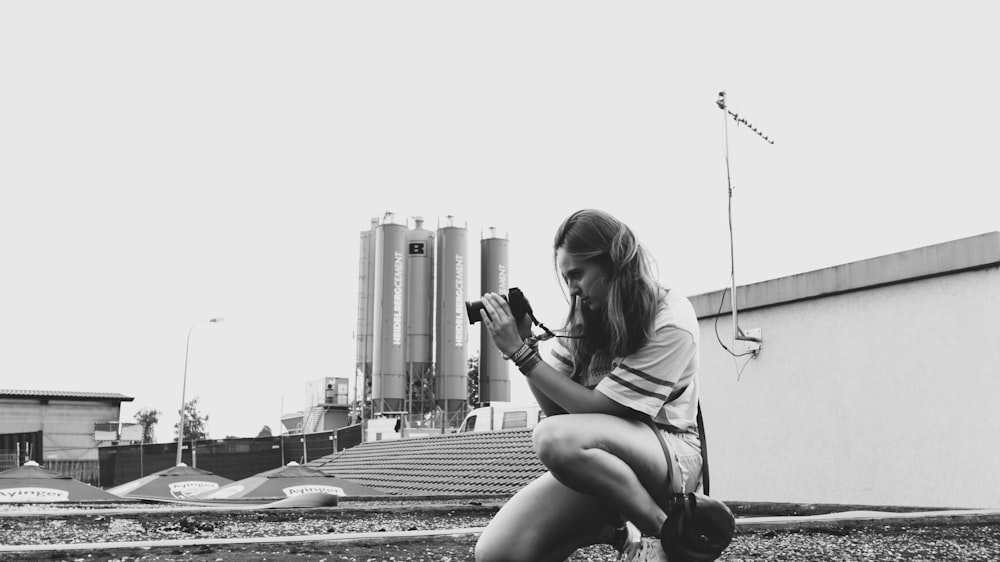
475, 463
63, 395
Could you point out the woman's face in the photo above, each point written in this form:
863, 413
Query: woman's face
586, 279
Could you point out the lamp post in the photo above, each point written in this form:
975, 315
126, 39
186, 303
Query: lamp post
187, 349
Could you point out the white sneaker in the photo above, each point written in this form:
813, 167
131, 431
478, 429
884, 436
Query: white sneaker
638, 548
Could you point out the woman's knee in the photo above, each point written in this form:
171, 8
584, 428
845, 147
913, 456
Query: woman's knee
485, 552
491, 549
557, 442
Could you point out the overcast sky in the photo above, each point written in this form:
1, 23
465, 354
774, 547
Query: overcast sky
162, 163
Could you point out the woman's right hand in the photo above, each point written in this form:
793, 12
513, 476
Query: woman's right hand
502, 325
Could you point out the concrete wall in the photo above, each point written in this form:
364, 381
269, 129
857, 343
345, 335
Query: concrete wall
877, 383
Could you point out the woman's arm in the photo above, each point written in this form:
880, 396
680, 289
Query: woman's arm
569, 396
553, 391
548, 406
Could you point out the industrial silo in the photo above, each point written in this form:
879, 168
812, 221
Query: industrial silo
451, 336
494, 376
419, 316
389, 365
365, 333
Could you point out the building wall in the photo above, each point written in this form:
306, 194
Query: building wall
67, 425
876, 383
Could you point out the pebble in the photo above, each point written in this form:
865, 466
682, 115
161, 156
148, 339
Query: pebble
58, 525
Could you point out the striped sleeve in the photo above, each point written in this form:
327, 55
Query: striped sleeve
557, 356
645, 380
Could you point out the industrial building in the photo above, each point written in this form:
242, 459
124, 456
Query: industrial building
61, 429
412, 331
327, 407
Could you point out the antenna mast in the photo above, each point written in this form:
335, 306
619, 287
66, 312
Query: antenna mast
721, 103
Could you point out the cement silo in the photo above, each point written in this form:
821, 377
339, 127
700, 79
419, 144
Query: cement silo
389, 365
494, 376
365, 333
451, 334
419, 315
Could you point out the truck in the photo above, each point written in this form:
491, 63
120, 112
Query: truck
502, 415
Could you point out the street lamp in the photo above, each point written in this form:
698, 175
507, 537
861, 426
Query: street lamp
180, 424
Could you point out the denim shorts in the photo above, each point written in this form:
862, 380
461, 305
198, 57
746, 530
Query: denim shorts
686, 453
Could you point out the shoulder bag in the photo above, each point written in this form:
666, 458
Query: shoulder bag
698, 527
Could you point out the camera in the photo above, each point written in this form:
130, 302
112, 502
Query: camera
515, 298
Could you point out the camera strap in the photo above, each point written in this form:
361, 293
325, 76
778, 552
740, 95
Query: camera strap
540, 337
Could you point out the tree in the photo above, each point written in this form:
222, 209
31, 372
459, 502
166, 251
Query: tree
474, 380
422, 392
195, 424
148, 418
265, 431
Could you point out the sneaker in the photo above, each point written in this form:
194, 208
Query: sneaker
633, 547
648, 549
623, 536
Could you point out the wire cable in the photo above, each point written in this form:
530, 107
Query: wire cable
717, 336
739, 370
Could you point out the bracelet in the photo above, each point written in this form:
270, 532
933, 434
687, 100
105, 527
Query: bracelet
520, 353
523, 352
528, 364
521, 358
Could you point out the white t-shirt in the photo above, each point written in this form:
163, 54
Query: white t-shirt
659, 379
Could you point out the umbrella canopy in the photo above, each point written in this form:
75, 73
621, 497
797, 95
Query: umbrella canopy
288, 481
30, 483
175, 483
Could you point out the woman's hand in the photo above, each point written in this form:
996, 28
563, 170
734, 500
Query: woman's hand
501, 325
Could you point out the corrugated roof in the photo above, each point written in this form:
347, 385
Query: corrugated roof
63, 395
475, 463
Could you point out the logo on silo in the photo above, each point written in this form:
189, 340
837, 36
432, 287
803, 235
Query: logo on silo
502, 279
417, 249
459, 300
397, 299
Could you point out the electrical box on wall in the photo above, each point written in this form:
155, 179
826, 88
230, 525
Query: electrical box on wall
753, 338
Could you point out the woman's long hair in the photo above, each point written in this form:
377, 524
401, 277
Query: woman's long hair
627, 321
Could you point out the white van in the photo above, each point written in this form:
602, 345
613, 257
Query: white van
383, 429
502, 415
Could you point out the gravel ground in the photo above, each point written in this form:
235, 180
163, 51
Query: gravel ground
50, 525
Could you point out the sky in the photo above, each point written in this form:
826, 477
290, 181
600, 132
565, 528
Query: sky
164, 163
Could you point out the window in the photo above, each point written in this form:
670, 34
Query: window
470, 424
517, 418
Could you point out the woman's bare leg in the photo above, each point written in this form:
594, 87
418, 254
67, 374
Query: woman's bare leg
545, 521
613, 460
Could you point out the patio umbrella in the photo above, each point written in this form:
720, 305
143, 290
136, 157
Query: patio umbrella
285, 482
30, 483
175, 483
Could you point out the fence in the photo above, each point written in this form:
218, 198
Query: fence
231, 458
18, 448
8, 460
87, 471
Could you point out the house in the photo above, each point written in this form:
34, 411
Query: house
60, 430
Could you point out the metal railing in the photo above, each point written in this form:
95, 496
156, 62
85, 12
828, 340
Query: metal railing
8, 460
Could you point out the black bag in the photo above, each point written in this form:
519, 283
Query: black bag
698, 527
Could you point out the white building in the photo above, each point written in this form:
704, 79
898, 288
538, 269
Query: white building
877, 382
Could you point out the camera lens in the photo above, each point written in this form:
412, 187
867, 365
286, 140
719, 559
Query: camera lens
518, 306
474, 309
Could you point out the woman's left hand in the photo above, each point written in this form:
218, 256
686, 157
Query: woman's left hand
501, 324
